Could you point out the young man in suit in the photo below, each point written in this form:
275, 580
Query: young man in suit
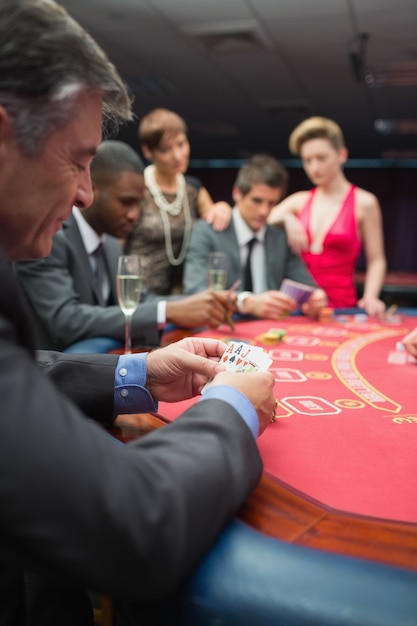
259, 185
70, 313
76, 508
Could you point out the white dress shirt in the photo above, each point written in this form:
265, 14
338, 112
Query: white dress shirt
244, 234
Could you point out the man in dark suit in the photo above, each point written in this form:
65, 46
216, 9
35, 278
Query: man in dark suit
76, 508
259, 185
70, 312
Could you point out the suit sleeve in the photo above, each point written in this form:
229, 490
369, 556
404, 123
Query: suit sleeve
195, 268
283, 262
64, 314
133, 519
87, 379
297, 270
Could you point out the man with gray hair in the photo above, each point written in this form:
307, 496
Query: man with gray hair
76, 509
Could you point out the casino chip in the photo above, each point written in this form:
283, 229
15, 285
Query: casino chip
272, 336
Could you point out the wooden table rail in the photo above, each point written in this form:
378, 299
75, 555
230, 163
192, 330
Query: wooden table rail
279, 511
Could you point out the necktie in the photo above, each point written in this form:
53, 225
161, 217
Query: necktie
100, 274
247, 281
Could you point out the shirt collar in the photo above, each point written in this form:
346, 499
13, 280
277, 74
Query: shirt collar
89, 236
243, 233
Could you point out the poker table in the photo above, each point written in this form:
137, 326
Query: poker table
340, 462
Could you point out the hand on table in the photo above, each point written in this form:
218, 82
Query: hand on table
372, 306
180, 370
257, 387
410, 342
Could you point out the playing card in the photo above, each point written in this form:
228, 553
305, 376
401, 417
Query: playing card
297, 291
242, 357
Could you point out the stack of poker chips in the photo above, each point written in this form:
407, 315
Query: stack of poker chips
326, 314
273, 335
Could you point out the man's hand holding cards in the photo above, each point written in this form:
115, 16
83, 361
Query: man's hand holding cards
257, 385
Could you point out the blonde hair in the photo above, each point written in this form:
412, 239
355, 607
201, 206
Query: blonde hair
159, 123
316, 128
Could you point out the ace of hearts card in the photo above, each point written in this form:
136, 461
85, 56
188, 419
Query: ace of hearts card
242, 357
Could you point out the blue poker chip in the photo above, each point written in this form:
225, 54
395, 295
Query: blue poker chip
233, 339
360, 317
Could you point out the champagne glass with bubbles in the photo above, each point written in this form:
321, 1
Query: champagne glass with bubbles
217, 270
129, 287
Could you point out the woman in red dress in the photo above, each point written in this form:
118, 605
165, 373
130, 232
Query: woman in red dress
329, 224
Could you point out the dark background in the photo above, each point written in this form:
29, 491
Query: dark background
244, 73
395, 189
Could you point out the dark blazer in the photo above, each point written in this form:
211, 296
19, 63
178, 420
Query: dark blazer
280, 262
61, 291
132, 520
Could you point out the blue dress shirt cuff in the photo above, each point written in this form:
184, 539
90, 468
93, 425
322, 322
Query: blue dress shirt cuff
238, 401
130, 393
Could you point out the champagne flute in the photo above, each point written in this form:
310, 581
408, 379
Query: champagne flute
217, 270
129, 286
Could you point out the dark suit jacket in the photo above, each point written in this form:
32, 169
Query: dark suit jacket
130, 520
280, 262
61, 291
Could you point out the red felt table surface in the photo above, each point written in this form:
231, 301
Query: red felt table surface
346, 434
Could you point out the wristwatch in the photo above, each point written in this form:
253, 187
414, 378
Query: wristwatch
241, 297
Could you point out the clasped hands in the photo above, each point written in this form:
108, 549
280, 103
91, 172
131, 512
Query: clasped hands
180, 371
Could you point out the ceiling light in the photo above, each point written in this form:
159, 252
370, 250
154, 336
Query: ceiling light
396, 127
392, 75
228, 36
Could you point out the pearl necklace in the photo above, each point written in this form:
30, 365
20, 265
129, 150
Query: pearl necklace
173, 208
